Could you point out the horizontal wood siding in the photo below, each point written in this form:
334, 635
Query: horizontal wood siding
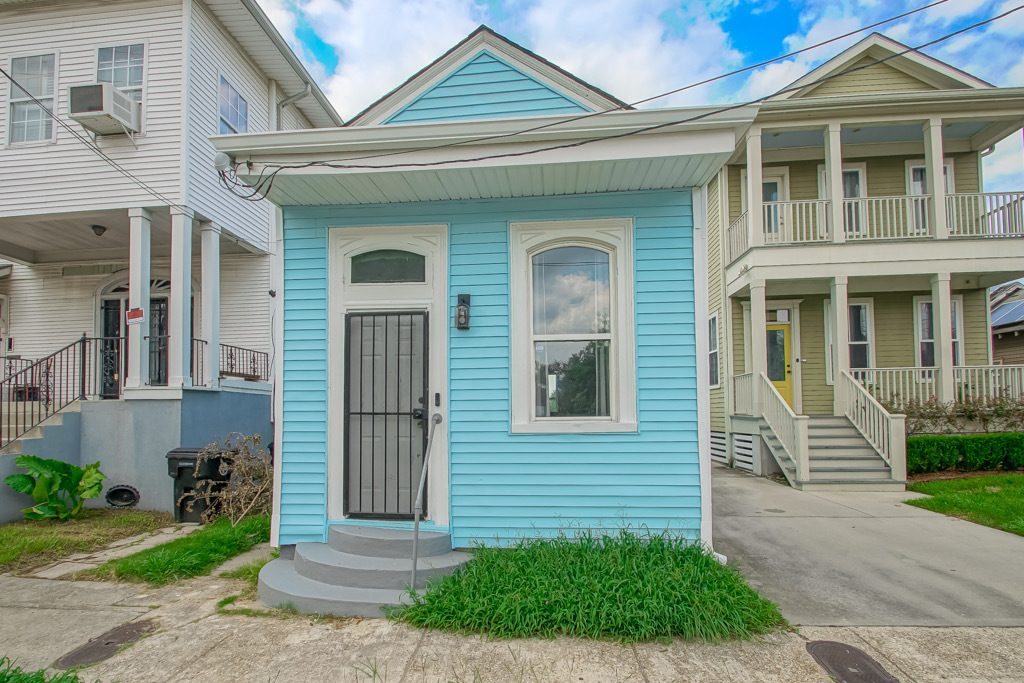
817, 396
715, 299
739, 360
212, 52
292, 118
245, 302
66, 175
505, 486
1009, 349
976, 330
869, 78
486, 87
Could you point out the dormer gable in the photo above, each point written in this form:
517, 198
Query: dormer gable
486, 76
904, 70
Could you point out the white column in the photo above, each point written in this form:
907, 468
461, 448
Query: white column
840, 334
179, 314
758, 342
942, 329
935, 181
138, 296
210, 236
834, 180
755, 214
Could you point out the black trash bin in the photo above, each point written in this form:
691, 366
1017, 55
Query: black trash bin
181, 464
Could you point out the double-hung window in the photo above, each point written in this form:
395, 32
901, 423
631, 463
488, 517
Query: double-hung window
860, 328
234, 112
122, 66
573, 364
32, 103
924, 327
714, 366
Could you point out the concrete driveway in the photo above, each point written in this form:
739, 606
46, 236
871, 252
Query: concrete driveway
865, 559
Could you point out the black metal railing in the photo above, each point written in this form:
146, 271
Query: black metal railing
9, 366
236, 361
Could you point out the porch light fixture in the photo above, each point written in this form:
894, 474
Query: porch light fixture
462, 313
98, 230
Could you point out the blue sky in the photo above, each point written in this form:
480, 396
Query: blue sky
359, 50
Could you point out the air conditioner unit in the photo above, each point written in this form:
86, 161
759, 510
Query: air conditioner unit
103, 109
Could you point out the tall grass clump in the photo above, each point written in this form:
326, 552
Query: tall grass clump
9, 673
626, 587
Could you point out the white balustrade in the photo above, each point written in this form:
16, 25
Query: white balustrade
789, 428
738, 237
887, 218
989, 214
988, 382
898, 385
743, 394
796, 222
884, 431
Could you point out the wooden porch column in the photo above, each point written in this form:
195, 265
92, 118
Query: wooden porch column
834, 181
755, 212
758, 340
210, 244
935, 176
179, 314
840, 334
942, 331
137, 346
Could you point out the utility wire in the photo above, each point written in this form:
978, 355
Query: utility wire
264, 183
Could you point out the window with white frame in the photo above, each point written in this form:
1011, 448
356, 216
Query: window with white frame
234, 111
122, 66
573, 366
31, 104
713, 362
861, 331
924, 330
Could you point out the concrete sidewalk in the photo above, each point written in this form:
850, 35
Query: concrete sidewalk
865, 559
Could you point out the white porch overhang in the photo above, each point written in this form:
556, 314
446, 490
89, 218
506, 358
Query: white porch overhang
613, 152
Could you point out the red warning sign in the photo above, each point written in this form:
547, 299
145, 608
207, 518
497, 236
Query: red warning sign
134, 316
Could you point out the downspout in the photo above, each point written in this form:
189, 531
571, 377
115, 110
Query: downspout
292, 100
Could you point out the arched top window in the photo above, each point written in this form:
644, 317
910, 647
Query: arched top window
388, 265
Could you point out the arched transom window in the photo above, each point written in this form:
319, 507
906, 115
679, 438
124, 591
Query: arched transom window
388, 265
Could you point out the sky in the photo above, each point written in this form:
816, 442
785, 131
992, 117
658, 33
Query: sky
358, 50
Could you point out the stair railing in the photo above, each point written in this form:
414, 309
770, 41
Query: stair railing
789, 428
435, 420
885, 432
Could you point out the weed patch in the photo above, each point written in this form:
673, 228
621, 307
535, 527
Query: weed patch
193, 555
628, 588
996, 501
9, 673
32, 543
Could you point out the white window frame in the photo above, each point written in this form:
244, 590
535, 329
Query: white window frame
959, 360
142, 87
911, 164
827, 306
614, 236
860, 166
713, 346
780, 173
234, 131
12, 100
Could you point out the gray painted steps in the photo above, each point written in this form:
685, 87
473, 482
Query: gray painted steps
359, 570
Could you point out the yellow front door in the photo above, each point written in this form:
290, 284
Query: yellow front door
780, 369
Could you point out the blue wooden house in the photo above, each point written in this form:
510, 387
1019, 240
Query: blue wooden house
504, 246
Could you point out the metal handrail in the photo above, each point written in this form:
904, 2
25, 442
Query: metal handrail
435, 420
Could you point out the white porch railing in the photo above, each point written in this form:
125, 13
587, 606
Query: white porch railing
738, 237
987, 382
796, 222
789, 428
743, 394
897, 384
884, 431
887, 218
989, 214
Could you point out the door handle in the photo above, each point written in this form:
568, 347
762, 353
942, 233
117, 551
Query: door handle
419, 414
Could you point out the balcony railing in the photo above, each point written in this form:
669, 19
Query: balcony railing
887, 218
248, 364
896, 386
796, 222
738, 237
743, 394
990, 214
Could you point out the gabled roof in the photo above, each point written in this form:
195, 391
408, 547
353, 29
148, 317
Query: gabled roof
485, 44
930, 72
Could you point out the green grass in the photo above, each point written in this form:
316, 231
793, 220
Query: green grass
627, 588
27, 544
193, 555
13, 674
996, 501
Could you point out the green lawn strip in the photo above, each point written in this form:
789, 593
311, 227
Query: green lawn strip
193, 555
9, 673
996, 501
31, 543
626, 587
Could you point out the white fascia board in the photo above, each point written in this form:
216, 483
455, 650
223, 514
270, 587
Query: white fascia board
951, 102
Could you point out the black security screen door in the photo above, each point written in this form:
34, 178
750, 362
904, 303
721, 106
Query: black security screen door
385, 412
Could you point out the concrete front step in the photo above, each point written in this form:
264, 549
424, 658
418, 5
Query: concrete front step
836, 473
865, 485
379, 542
846, 461
816, 441
323, 563
281, 586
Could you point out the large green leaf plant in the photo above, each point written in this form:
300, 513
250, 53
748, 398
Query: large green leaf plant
58, 488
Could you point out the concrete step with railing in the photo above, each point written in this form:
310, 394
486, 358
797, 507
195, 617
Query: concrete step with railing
16, 427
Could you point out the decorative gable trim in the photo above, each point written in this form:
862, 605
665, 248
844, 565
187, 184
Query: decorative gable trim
920, 66
499, 47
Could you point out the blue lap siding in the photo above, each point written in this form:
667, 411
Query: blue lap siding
503, 486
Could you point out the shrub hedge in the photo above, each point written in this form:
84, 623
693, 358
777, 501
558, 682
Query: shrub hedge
967, 453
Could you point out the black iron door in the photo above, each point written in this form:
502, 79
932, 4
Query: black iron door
158, 342
386, 411
112, 362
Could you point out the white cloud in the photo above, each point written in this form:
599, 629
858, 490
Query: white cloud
1003, 170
